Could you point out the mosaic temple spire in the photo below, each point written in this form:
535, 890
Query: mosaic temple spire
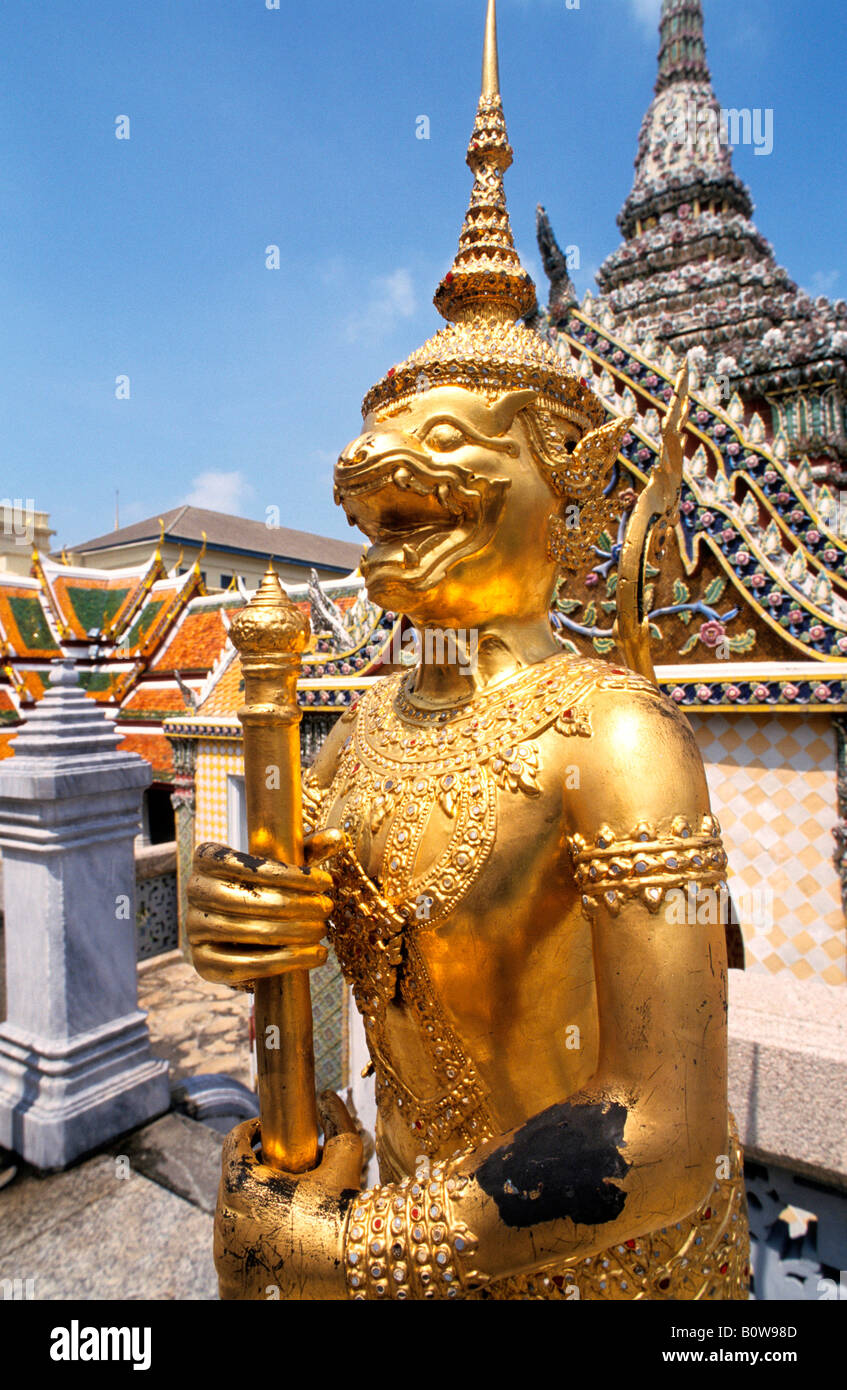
682, 55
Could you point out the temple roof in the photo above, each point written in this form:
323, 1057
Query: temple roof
193, 525
151, 646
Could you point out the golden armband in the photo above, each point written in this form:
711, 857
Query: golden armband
647, 864
408, 1239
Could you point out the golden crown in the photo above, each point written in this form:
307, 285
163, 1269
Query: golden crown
487, 348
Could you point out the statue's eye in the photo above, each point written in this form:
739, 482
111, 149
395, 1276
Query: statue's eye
442, 438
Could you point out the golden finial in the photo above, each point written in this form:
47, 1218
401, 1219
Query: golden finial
487, 283
490, 64
157, 554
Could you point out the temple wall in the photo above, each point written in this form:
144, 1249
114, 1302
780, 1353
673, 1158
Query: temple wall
217, 760
772, 779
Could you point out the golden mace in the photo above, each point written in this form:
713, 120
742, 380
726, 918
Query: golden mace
270, 634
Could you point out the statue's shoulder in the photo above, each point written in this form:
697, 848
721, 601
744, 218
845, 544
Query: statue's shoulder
638, 756
595, 694
581, 680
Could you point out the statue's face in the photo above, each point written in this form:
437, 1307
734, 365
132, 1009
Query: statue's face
456, 511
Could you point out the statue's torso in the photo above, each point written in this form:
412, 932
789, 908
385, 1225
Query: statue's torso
459, 922
459, 926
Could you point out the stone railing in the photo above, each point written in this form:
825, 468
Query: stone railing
156, 916
787, 1088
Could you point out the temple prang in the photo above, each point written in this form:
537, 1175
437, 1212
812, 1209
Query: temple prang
695, 275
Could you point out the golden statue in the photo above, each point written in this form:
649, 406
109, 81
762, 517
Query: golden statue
492, 839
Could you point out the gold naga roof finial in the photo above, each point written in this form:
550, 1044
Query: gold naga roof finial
199, 559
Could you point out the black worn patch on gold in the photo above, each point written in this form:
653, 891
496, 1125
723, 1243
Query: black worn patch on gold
558, 1166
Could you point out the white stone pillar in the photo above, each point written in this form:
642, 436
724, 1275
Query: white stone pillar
76, 1068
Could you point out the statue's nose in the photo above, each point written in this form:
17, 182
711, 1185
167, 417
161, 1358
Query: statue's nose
369, 446
358, 451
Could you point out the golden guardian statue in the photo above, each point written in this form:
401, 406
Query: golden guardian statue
491, 840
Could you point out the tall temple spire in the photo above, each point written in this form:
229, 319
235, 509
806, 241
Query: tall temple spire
682, 54
684, 158
693, 272
487, 279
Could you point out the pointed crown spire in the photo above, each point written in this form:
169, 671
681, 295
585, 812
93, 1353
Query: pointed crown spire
486, 346
487, 280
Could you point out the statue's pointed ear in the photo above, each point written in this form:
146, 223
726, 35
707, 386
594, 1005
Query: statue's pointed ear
502, 413
596, 451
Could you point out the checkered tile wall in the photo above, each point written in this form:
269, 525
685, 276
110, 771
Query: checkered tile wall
216, 760
772, 780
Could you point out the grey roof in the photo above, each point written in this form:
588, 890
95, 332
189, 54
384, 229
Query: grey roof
224, 532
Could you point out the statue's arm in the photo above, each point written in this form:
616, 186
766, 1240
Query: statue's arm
637, 1149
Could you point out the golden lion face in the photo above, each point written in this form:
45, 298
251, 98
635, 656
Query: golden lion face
460, 498
445, 488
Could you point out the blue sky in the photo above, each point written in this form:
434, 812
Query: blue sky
296, 127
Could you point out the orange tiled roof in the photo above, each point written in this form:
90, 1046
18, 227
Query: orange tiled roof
166, 599
196, 644
228, 693
87, 603
35, 684
155, 748
145, 703
23, 624
8, 708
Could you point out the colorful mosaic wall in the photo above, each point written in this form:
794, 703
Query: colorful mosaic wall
772, 780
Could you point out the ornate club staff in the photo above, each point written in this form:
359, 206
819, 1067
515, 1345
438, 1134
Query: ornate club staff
270, 634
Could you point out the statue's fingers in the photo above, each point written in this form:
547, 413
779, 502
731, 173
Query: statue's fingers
341, 1164
239, 968
231, 902
221, 863
322, 845
237, 1153
257, 934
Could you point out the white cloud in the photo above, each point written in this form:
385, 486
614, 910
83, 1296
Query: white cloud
219, 492
825, 281
647, 11
390, 299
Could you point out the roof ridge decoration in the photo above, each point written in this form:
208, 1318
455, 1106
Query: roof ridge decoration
784, 562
